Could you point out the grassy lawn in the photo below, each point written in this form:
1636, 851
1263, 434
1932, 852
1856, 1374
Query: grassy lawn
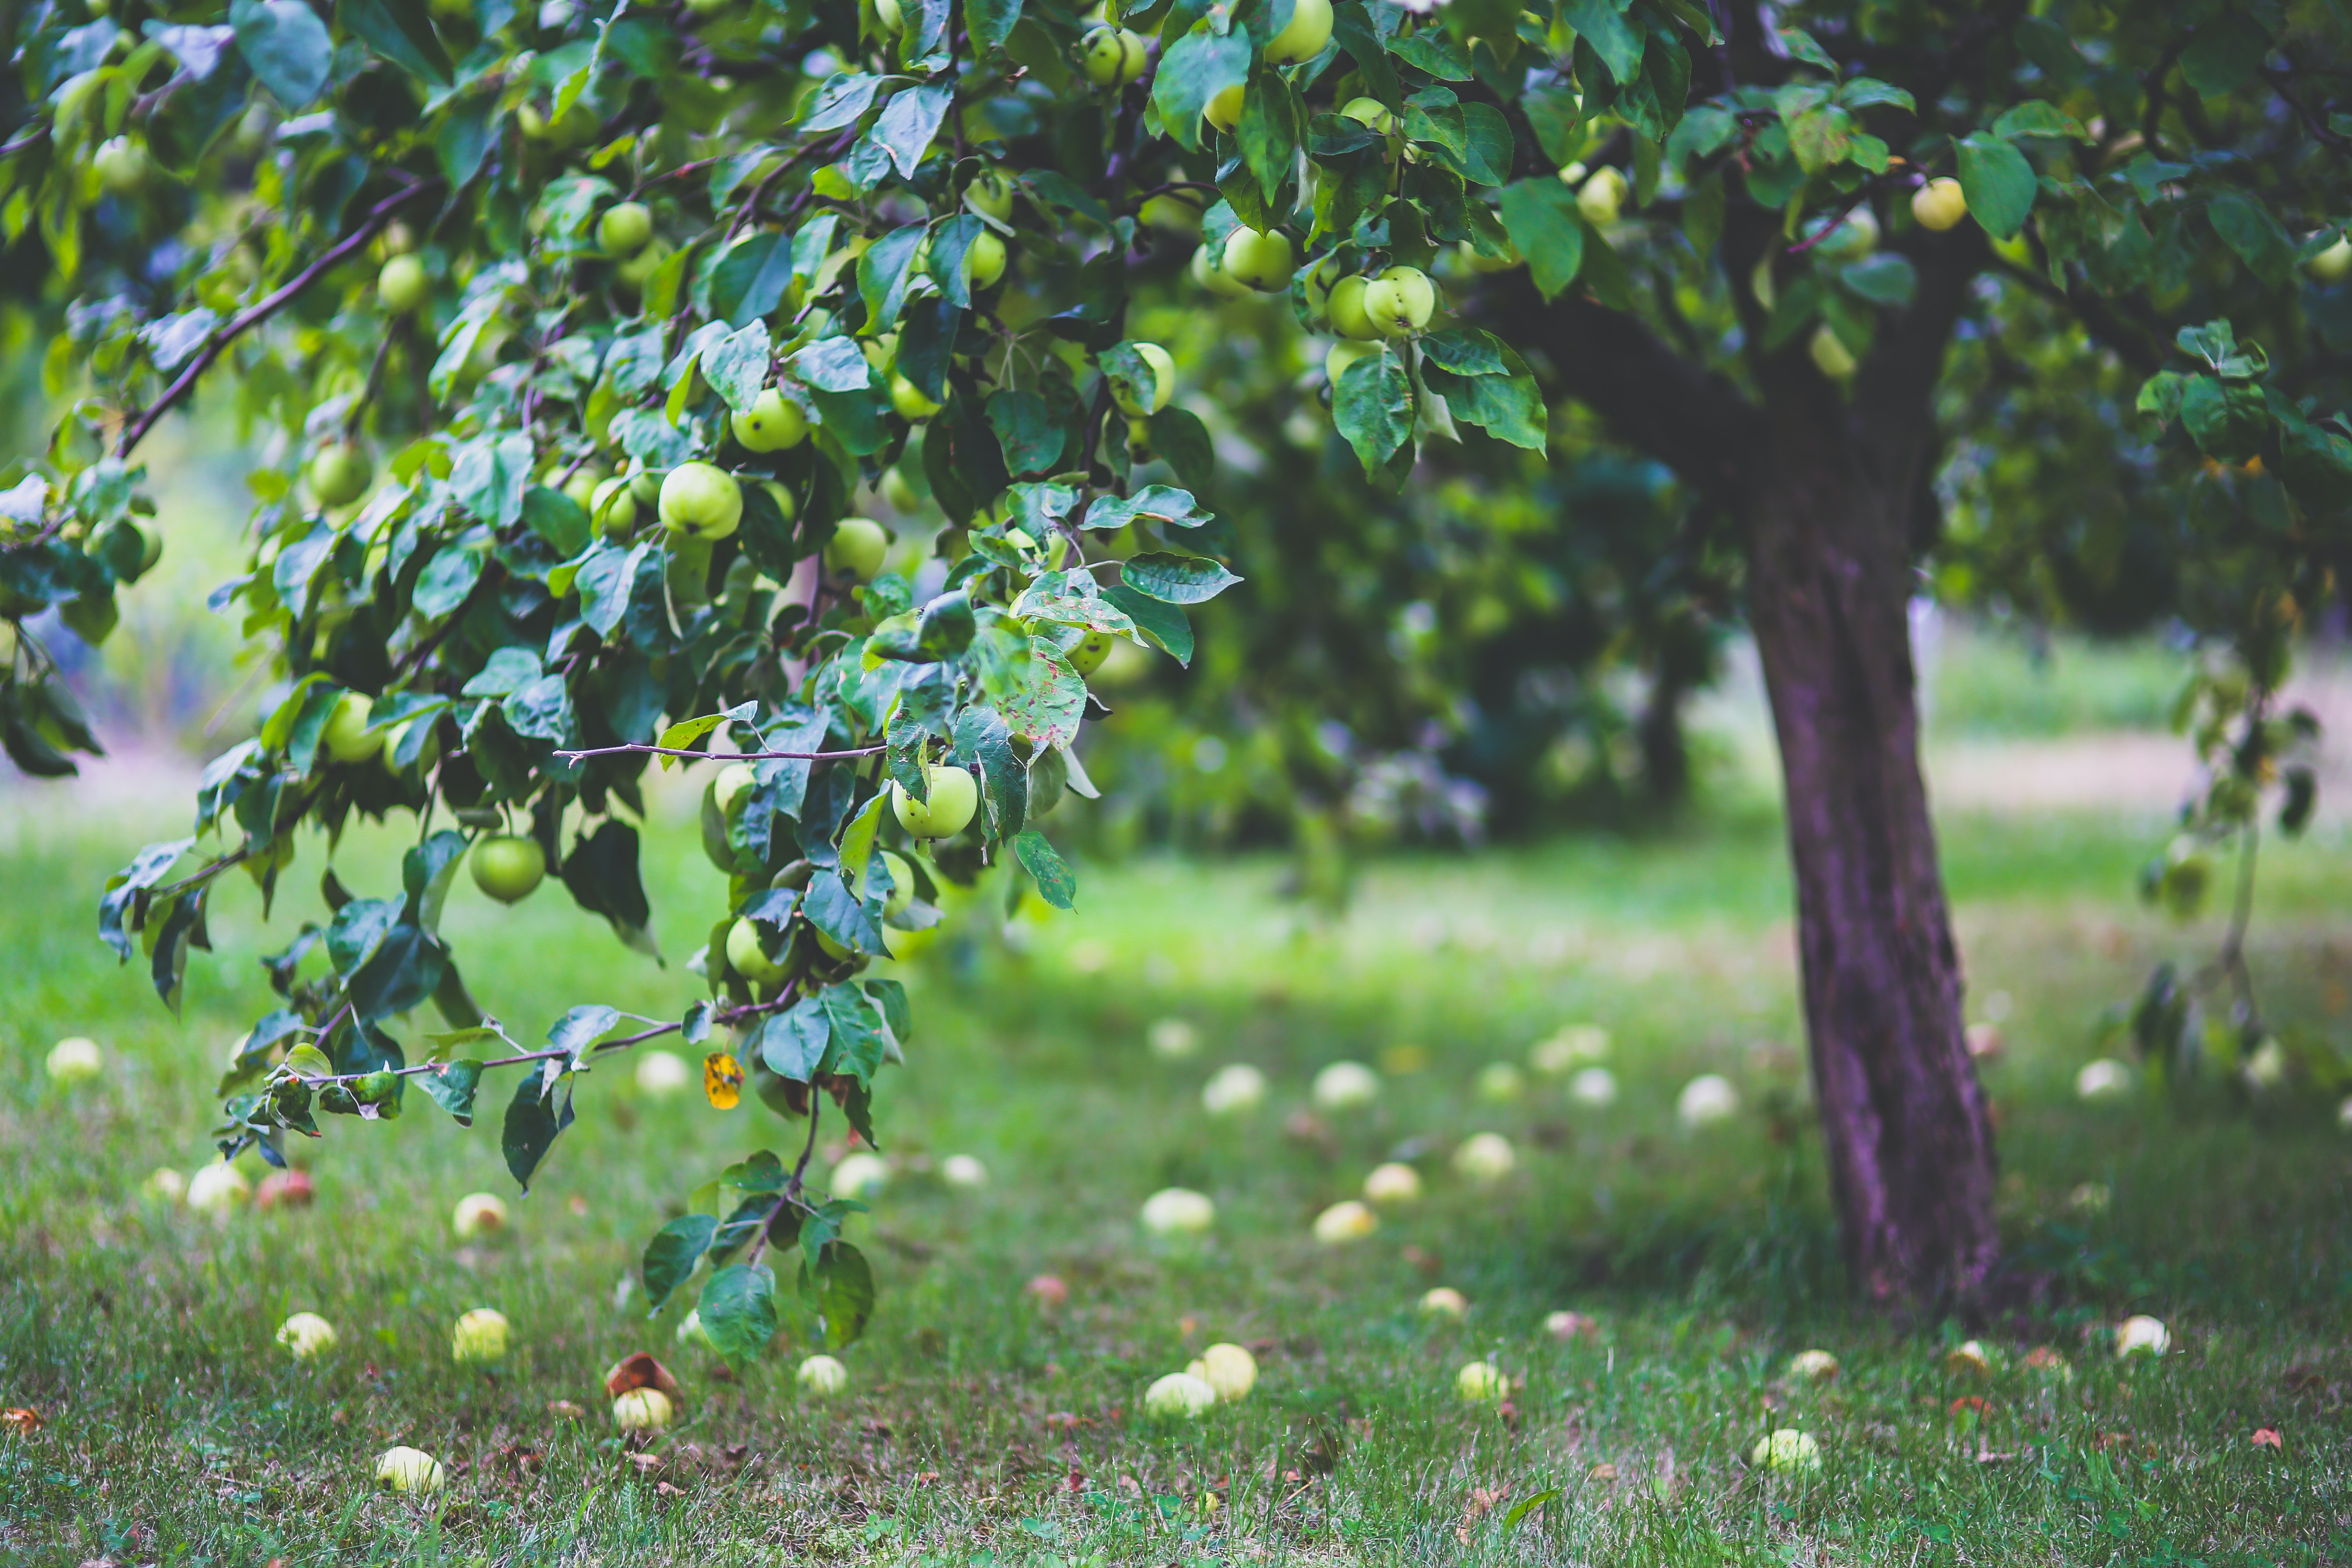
978, 1427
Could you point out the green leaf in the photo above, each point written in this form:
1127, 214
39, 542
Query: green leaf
534, 1116
982, 740
989, 22
1526, 1506
738, 1311
1887, 277
672, 1254
1054, 879
2228, 419
859, 1043
1508, 407
401, 33
1821, 137
1269, 129
834, 910
839, 1288
427, 870
1539, 214
1162, 505
736, 367
1178, 435
286, 46
1613, 36
1865, 92
1372, 407
1163, 624
1801, 45
2035, 117
1194, 69
1026, 427
748, 283
2224, 52
451, 1086
909, 120
2247, 227
793, 1041
1998, 182
1177, 579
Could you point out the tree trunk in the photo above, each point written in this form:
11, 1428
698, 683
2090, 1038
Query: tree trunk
1910, 1149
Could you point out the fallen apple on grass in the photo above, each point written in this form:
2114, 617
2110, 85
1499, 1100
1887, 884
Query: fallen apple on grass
823, 1376
661, 1073
1485, 1158
1444, 1301
75, 1060
1345, 1222
643, 1410
1787, 1450
1233, 1090
217, 1189
1346, 1086
478, 1215
480, 1336
1480, 1383
1814, 1366
1227, 1368
1178, 1211
404, 1469
1393, 1183
306, 1335
1179, 1396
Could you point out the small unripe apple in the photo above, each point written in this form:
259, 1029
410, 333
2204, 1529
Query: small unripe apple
1486, 1157
747, 958
984, 260
1602, 197
2331, 265
823, 1376
508, 866
1233, 1089
1369, 113
346, 735
306, 1335
890, 15
643, 1410
480, 1336
1345, 1086
1969, 1359
1112, 56
2142, 1336
1228, 1368
1214, 280
1342, 355
638, 270
73, 1060
1309, 30
859, 1175
403, 285
122, 166
626, 229
1346, 1221
1572, 1045
1346, 310
1178, 1211
1814, 1366
1163, 384
1225, 109
1940, 203
1393, 1183
1400, 301
1092, 649
772, 423
1705, 1099
478, 1215
408, 1470
1172, 1040
728, 786
912, 404
1179, 1396
963, 1171
1479, 1383
660, 1074
955, 796
858, 547
1787, 1450
701, 499
902, 884
1444, 1301
1259, 257
217, 1189
612, 506
990, 194
340, 473
1831, 356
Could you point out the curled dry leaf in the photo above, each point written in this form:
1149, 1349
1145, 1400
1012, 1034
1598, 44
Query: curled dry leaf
2268, 1437
642, 1371
20, 1419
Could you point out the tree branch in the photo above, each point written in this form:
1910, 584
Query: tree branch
373, 224
725, 757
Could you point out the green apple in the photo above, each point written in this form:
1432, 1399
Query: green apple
612, 506
772, 423
346, 736
480, 1336
1309, 30
728, 786
1112, 56
626, 229
747, 958
1369, 113
889, 14
306, 1336
1477, 261
897, 490
122, 166
1092, 649
902, 885
1214, 280
576, 127
954, 797
75, 1060
150, 545
643, 1410
702, 500
405, 1470
857, 547
1940, 203
478, 1215
1400, 301
637, 271
340, 473
984, 260
1342, 355
1346, 311
823, 1376
580, 486
1225, 109
1163, 383
1172, 212
1854, 236
1831, 356
909, 400
2331, 265
990, 194
508, 866
403, 285
1262, 259
1178, 1396
1602, 197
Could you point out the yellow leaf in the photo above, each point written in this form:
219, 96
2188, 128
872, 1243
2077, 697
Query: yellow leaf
722, 1079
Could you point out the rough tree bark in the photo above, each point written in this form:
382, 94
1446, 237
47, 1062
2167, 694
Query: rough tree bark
1824, 486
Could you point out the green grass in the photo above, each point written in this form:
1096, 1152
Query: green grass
1985, 680
979, 1429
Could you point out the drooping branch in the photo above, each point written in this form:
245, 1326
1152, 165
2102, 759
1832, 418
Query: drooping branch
379, 216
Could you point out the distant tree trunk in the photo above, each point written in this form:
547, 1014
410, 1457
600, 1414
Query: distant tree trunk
1909, 1145
1829, 487
1666, 753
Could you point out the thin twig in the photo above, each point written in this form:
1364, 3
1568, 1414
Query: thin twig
726, 1016
377, 219
718, 756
